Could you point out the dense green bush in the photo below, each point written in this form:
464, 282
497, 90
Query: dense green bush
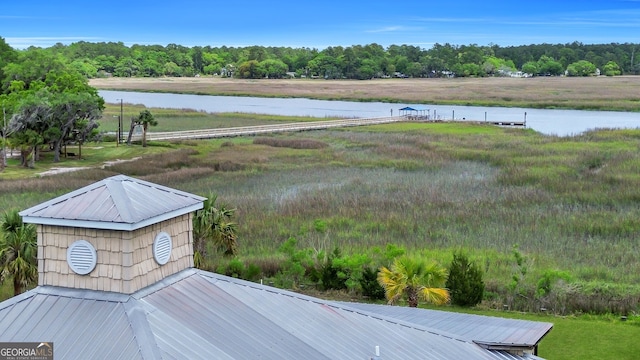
465, 282
371, 288
328, 274
236, 268
295, 266
550, 278
340, 272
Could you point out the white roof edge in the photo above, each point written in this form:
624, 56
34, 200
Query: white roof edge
111, 225
502, 346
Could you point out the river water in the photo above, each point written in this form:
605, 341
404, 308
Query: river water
550, 122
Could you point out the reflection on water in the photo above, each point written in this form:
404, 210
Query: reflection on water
551, 122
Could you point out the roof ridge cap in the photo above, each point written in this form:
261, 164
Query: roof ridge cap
124, 207
144, 336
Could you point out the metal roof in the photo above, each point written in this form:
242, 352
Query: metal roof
409, 108
115, 203
196, 314
485, 330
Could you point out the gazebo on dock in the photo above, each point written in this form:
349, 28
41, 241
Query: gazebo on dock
413, 113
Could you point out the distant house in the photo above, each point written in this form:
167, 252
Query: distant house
116, 281
515, 74
447, 74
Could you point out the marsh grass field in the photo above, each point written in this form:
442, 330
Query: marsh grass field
603, 93
569, 205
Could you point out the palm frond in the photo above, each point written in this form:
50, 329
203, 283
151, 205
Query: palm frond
394, 284
436, 296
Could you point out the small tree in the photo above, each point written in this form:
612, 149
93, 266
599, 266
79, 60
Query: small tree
581, 68
548, 66
250, 70
465, 281
273, 68
612, 69
530, 67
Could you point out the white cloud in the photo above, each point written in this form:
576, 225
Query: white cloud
25, 42
397, 28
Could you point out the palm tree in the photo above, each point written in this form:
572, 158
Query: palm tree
214, 224
145, 119
18, 251
414, 279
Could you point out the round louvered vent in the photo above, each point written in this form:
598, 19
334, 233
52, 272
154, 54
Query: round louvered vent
81, 257
162, 248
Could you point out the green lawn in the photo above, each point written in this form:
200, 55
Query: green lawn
586, 337
591, 339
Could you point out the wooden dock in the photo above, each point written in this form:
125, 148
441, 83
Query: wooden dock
507, 123
520, 123
419, 114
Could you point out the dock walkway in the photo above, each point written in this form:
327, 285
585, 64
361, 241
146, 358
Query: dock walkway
299, 126
266, 129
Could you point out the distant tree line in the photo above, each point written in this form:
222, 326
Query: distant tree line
352, 62
47, 99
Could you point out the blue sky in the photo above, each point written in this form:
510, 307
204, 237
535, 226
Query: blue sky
319, 24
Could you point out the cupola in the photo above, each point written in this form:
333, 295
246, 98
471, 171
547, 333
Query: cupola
120, 234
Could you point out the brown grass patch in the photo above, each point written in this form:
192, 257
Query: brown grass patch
151, 164
240, 154
291, 143
177, 177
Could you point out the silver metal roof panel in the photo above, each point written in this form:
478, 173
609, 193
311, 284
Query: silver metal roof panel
79, 328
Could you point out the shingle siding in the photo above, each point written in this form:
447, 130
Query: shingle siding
125, 260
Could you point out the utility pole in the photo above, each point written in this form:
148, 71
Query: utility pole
4, 137
119, 124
